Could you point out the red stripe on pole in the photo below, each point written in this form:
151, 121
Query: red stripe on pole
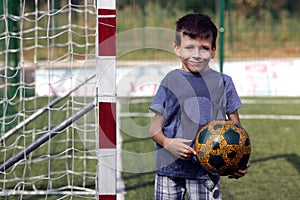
107, 197
103, 11
107, 123
107, 32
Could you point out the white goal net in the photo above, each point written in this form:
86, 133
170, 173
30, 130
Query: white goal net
47, 51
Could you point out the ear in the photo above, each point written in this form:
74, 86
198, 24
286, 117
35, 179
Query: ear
176, 50
213, 52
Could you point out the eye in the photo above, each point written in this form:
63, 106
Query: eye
189, 47
205, 48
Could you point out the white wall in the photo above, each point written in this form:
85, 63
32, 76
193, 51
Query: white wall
251, 78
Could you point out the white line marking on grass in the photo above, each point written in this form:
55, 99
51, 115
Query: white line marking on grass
283, 117
271, 101
135, 114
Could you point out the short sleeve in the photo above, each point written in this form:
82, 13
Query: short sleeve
233, 100
159, 101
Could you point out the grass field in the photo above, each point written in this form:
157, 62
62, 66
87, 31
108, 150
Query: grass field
275, 158
63, 165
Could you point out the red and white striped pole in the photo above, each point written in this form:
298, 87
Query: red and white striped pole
106, 74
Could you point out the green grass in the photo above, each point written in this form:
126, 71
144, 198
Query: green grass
275, 158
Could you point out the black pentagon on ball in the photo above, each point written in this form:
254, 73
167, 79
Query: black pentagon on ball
215, 145
204, 136
216, 161
217, 126
243, 161
231, 155
232, 137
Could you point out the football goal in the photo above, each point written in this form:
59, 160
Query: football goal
48, 99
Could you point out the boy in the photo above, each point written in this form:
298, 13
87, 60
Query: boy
187, 99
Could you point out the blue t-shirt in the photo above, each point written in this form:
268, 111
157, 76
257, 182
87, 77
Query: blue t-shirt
188, 101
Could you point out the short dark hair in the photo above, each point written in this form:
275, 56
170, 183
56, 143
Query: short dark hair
196, 25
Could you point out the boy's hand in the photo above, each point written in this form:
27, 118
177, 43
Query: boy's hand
180, 148
241, 172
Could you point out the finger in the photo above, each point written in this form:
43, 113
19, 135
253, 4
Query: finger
186, 155
245, 168
187, 151
238, 174
248, 164
191, 150
243, 171
186, 141
235, 176
186, 144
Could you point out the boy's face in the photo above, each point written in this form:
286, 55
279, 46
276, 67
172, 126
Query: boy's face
195, 54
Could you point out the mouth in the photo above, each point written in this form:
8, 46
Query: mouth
197, 63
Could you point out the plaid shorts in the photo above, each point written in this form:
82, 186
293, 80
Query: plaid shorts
173, 188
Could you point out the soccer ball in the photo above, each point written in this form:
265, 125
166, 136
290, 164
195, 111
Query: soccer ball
222, 147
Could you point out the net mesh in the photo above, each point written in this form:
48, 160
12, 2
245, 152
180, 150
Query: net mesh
47, 49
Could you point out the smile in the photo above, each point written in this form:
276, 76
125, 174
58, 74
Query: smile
197, 63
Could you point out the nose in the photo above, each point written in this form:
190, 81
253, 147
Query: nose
201, 53
197, 52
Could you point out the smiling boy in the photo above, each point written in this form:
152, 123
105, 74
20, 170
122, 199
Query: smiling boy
188, 98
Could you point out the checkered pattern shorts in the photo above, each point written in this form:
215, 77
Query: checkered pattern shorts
173, 188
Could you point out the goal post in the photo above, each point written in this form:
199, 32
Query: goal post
106, 92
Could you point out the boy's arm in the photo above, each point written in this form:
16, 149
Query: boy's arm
156, 130
177, 146
235, 118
